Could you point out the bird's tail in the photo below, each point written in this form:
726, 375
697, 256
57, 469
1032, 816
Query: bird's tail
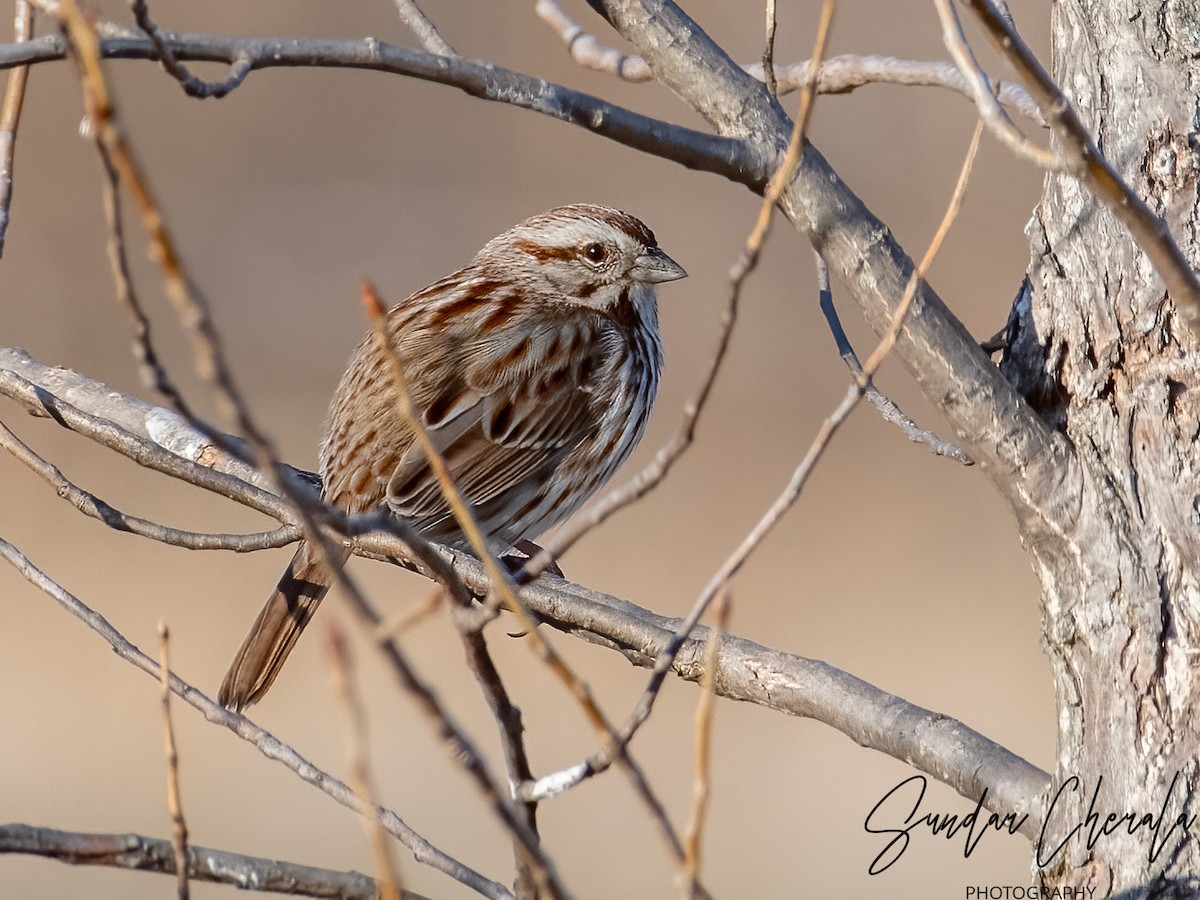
276, 629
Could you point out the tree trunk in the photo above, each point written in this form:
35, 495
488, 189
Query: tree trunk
1109, 363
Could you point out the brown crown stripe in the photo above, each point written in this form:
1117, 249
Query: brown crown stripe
631, 225
543, 253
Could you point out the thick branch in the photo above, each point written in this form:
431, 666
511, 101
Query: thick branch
935, 744
1030, 464
135, 851
694, 149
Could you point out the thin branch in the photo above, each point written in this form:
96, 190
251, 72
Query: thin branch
403, 621
92, 506
512, 729
358, 762
846, 73
931, 742
732, 159
266, 743
981, 90
701, 779
132, 425
165, 455
10, 114
424, 30
153, 371
179, 831
884, 404
768, 57
1083, 159
192, 86
871, 366
839, 74
134, 851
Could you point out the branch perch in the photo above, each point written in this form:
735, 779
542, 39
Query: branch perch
935, 744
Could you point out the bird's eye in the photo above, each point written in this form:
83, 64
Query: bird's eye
595, 253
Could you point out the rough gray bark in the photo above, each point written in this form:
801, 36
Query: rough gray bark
1110, 364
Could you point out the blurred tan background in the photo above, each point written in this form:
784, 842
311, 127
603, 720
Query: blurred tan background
898, 566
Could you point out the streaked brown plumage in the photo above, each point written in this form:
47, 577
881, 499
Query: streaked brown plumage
534, 369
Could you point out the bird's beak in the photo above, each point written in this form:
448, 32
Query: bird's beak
654, 266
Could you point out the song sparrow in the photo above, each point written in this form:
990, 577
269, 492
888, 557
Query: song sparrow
534, 369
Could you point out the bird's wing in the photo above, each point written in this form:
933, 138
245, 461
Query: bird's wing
502, 413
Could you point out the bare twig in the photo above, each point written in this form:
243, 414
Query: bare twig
150, 366
10, 115
266, 743
733, 159
768, 57
512, 729
839, 74
93, 506
704, 720
424, 30
192, 86
179, 831
134, 851
981, 89
884, 404
340, 664
402, 622
910, 292
586, 50
1082, 158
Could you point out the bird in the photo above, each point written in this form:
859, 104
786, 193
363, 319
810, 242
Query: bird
533, 369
